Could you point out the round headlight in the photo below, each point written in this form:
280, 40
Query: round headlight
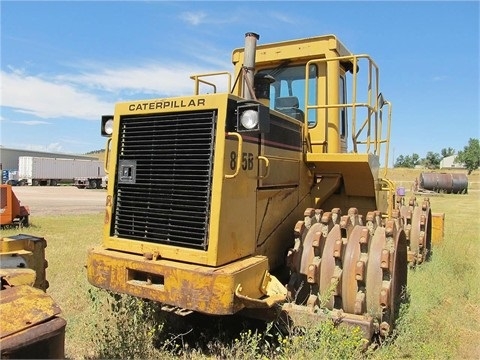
249, 119
108, 127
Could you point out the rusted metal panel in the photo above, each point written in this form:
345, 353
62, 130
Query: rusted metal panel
305, 316
23, 307
29, 251
42, 341
438, 224
18, 276
200, 288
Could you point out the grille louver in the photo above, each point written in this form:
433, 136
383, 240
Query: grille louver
164, 178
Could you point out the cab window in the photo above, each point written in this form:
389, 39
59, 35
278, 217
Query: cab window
287, 93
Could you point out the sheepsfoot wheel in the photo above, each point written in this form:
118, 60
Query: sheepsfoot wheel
347, 270
418, 230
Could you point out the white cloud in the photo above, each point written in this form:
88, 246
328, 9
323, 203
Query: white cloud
52, 147
284, 18
440, 78
201, 18
46, 98
81, 95
33, 122
164, 79
193, 18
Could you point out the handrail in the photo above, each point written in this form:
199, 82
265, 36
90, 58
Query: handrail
389, 123
197, 79
267, 167
107, 155
389, 186
239, 154
368, 133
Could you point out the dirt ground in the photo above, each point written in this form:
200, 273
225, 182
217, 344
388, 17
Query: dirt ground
51, 200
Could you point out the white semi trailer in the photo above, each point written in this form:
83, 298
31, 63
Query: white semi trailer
51, 171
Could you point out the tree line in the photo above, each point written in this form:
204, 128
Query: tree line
469, 157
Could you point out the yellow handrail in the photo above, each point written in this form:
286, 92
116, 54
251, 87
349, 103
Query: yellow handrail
239, 154
370, 132
197, 78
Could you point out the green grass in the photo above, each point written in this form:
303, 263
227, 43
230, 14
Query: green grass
443, 317
68, 238
442, 320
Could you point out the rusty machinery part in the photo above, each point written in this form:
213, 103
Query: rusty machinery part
418, 229
30, 325
24, 251
12, 213
343, 265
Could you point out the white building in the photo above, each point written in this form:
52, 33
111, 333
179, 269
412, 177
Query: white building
449, 163
9, 157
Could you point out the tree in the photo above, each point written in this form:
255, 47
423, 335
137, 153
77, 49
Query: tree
470, 156
407, 161
432, 160
400, 161
415, 159
446, 152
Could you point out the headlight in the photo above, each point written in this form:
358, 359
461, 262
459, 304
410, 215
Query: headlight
252, 117
107, 125
249, 119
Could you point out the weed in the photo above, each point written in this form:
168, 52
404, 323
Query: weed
125, 327
441, 321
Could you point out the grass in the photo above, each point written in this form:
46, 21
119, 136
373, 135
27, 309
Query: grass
68, 238
442, 320
443, 317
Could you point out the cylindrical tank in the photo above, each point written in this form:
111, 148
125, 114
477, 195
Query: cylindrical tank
459, 183
443, 182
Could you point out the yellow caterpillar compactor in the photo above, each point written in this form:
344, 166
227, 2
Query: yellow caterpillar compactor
212, 195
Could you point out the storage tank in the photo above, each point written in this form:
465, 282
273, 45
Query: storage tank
443, 182
459, 183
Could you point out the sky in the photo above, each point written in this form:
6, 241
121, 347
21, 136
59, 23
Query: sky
66, 63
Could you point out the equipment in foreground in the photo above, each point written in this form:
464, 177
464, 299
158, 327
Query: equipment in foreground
212, 196
12, 213
30, 325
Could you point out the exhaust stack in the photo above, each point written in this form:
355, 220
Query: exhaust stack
249, 65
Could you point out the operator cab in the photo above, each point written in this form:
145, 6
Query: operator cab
296, 87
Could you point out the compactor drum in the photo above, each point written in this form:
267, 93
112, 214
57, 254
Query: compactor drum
212, 196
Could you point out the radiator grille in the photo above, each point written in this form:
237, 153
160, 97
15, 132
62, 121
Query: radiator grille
164, 178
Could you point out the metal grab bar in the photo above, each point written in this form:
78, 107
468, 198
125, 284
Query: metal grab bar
239, 152
267, 167
107, 155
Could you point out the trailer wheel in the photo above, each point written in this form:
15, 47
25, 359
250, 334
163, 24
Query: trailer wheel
24, 222
53, 182
93, 184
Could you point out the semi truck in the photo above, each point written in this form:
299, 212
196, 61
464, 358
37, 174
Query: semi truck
10, 177
46, 171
